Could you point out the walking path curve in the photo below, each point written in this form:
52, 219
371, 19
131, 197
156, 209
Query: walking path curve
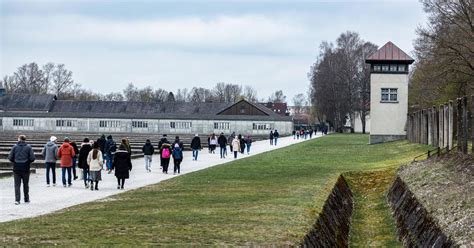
46, 200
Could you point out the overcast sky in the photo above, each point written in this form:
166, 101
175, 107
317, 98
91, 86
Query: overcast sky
181, 44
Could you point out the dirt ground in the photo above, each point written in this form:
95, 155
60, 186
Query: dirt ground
445, 187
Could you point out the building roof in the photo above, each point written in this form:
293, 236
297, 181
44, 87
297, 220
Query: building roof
390, 53
280, 108
26, 102
42, 106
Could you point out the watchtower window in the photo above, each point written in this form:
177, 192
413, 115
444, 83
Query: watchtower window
389, 95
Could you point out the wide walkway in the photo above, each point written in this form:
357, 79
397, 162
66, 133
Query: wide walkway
45, 200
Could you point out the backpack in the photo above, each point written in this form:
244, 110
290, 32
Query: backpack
113, 147
165, 153
177, 153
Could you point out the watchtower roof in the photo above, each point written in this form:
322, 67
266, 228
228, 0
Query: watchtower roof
390, 53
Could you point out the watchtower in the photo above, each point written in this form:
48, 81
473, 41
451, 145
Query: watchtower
388, 93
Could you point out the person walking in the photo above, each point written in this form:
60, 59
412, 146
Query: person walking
230, 139
74, 159
86, 148
311, 133
127, 146
276, 135
196, 146
271, 137
178, 141
248, 143
294, 134
21, 156
110, 149
242, 143
122, 165
213, 143
65, 154
148, 151
177, 158
222, 140
50, 153
236, 145
165, 155
162, 141
101, 141
95, 162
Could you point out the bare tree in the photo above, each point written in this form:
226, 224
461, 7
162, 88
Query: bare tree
250, 94
277, 96
299, 101
182, 95
29, 79
62, 80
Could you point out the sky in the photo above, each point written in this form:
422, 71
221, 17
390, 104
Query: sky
269, 45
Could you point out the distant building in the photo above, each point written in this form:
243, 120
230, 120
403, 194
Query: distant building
280, 108
388, 93
24, 112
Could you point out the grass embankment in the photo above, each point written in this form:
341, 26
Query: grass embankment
272, 198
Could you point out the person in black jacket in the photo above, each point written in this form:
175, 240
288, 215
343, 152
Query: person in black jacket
178, 141
148, 151
242, 143
21, 156
74, 159
122, 165
276, 135
271, 137
101, 141
222, 140
196, 146
110, 148
86, 147
163, 140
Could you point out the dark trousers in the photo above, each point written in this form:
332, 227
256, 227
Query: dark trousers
18, 177
85, 173
120, 182
223, 151
235, 154
74, 160
68, 169
177, 165
165, 162
52, 167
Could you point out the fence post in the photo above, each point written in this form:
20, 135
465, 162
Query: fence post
472, 123
435, 126
430, 126
446, 126
422, 126
440, 125
465, 125
459, 124
450, 124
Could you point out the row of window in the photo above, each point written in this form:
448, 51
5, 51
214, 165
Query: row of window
390, 68
144, 124
181, 124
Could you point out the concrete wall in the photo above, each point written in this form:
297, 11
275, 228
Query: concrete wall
154, 126
388, 118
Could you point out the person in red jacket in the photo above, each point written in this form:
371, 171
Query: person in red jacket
65, 154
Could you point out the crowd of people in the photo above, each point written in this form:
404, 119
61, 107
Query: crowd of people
92, 155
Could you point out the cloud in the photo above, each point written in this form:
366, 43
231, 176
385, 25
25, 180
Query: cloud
188, 32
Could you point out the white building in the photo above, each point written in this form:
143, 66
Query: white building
43, 113
388, 93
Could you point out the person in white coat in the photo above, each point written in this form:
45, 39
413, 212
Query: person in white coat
95, 162
236, 146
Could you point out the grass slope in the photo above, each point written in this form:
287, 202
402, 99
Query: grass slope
272, 198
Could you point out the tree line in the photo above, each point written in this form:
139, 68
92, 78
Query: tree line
444, 52
55, 79
340, 80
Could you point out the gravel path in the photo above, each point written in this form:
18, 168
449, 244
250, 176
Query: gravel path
45, 200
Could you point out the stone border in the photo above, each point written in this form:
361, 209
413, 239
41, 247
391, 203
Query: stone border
416, 228
332, 227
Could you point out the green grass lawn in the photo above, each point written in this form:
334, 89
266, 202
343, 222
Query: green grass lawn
267, 199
